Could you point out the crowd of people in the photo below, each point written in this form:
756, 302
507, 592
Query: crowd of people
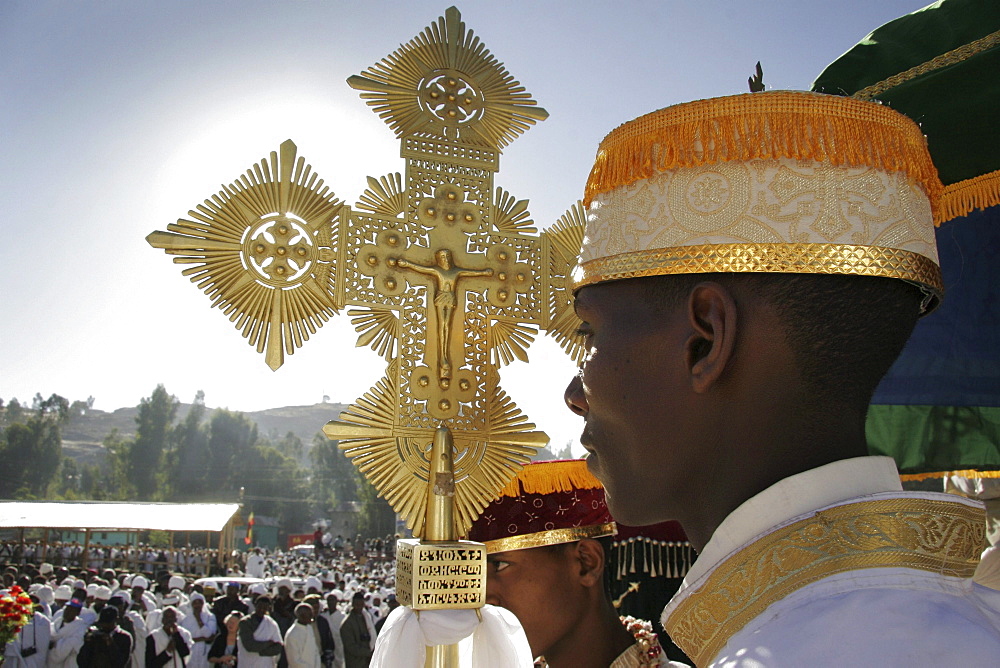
139, 557
301, 612
187, 560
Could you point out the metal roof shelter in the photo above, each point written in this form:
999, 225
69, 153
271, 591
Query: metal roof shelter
109, 516
89, 516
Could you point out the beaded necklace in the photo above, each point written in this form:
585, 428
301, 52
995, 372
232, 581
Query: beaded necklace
645, 639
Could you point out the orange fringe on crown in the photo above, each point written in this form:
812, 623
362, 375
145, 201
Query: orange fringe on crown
962, 198
771, 125
553, 476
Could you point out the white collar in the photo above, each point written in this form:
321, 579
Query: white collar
791, 497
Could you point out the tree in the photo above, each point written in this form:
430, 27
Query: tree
118, 485
190, 457
292, 445
232, 444
279, 485
145, 454
377, 518
13, 413
79, 408
32, 449
17, 451
333, 481
68, 484
566, 452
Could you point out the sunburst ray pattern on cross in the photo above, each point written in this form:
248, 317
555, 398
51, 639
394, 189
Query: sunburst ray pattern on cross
442, 273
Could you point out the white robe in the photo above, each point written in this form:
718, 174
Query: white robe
268, 630
199, 650
69, 640
155, 615
36, 634
370, 623
789, 577
255, 566
139, 642
301, 648
490, 637
336, 618
160, 639
88, 615
150, 603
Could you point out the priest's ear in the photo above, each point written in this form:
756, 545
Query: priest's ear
711, 314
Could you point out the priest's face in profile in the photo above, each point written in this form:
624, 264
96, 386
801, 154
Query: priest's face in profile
641, 431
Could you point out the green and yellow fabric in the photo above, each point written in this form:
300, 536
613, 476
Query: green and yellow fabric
938, 410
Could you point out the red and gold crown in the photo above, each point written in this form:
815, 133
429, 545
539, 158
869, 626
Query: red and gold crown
546, 504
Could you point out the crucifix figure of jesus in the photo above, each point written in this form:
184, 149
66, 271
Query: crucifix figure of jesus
280, 254
448, 270
446, 276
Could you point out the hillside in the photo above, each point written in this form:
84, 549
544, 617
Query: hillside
83, 435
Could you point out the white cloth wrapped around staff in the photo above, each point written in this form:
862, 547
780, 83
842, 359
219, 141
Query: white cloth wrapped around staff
497, 641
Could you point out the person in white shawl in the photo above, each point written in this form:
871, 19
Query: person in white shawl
67, 636
142, 601
203, 627
259, 637
30, 648
302, 641
46, 597
169, 644
171, 599
255, 564
123, 601
335, 618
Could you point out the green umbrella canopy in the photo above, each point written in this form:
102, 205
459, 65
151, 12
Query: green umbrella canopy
941, 67
938, 408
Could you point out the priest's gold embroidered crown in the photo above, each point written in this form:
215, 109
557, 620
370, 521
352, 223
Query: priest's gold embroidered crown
776, 182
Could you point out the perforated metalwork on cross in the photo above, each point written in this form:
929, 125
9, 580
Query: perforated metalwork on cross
445, 277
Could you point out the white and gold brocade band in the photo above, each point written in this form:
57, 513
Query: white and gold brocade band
922, 534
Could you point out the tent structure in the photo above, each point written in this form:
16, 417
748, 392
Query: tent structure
91, 516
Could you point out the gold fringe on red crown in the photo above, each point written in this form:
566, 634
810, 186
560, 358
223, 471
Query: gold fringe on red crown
549, 477
771, 125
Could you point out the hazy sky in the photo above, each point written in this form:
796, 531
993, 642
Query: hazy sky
116, 118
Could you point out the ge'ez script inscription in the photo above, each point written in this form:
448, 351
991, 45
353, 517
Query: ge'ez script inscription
451, 599
441, 575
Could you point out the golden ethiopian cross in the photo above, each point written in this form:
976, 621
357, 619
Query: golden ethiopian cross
445, 277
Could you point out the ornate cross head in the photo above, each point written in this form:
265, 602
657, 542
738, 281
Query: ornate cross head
443, 273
